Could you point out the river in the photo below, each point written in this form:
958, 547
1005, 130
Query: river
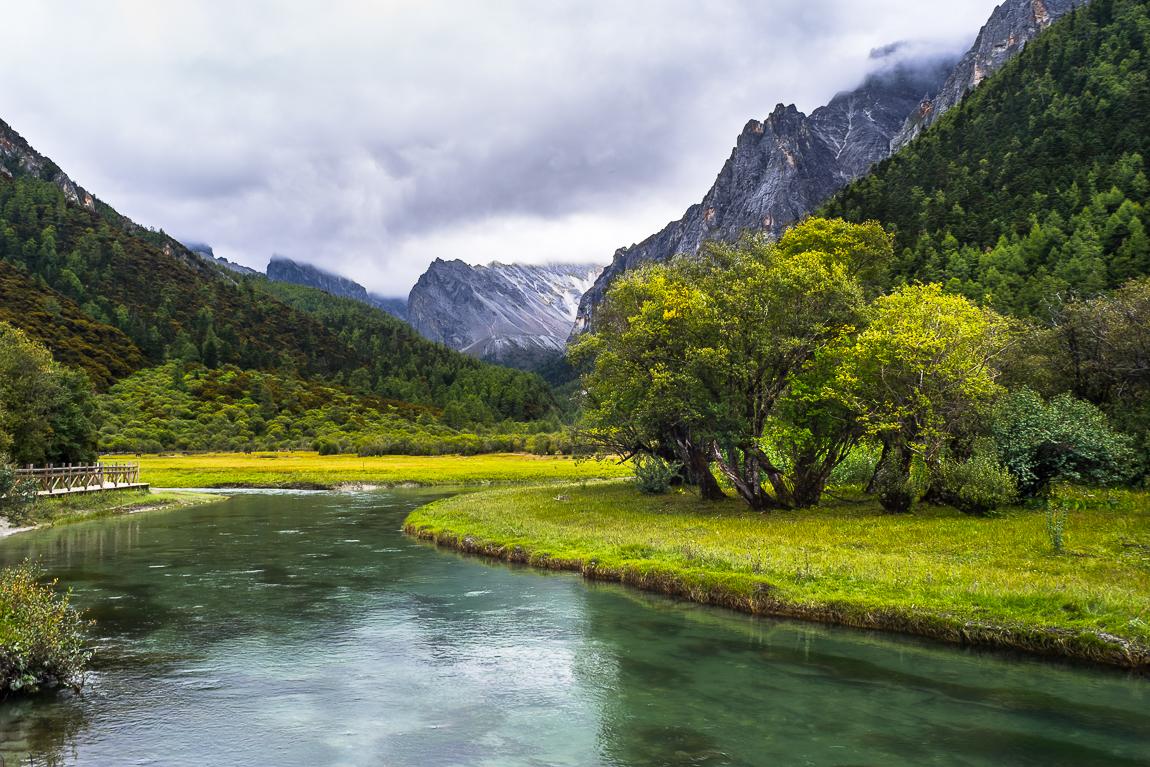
305, 629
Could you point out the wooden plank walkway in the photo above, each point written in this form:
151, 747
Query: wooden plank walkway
65, 480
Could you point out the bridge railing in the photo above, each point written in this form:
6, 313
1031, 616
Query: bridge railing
73, 478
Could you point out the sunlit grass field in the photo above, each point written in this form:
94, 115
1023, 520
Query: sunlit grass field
935, 572
313, 470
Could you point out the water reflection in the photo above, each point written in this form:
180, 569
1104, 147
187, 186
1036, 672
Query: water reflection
765, 692
306, 630
30, 739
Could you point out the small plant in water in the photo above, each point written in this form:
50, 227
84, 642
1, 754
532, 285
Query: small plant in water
42, 637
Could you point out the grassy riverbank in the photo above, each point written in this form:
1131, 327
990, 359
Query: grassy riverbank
992, 582
311, 470
74, 508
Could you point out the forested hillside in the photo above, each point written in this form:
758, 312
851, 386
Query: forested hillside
77, 340
403, 365
161, 302
182, 406
1037, 185
113, 299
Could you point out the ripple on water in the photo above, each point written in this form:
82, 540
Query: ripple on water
384, 652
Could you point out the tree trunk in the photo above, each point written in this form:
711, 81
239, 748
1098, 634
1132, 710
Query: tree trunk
745, 479
872, 486
893, 477
697, 464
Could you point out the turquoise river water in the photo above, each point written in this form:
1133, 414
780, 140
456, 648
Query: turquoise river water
306, 629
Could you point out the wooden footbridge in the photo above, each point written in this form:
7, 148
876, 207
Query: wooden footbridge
64, 480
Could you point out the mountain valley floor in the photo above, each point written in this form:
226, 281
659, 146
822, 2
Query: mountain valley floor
307, 470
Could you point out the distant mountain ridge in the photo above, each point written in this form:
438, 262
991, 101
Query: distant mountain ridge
114, 298
514, 314
519, 315
206, 252
283, 269
18, 159
786, 166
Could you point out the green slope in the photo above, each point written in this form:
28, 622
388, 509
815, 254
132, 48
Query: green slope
1037, 184
110, 297
54, 320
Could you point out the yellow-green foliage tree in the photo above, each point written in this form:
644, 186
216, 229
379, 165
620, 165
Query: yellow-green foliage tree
921, 371
646, 392
703, 359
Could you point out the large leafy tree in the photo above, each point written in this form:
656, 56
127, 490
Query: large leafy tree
716, 357
773, 310
1102, 354
1062, 440
646, 390
47, 412
922, 371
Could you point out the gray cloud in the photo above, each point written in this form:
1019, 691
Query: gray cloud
373, 137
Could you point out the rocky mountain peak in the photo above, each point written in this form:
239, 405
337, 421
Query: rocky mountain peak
18, 158
786, 166
1011, 26
513, 314
284, 269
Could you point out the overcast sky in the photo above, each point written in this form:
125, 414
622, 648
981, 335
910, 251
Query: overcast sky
373, 136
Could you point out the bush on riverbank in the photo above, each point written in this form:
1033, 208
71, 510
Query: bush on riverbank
42, 637
16, 495
936, 572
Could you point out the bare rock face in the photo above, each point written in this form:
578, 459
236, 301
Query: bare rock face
1012, 25
282, 269
18, 158
512, 314
785, 167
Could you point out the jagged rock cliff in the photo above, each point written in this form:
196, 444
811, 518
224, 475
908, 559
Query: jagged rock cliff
282, 269
513, 314
784, 167
1012, 25
18, 158
788, 165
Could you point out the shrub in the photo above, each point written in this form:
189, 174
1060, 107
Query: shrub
42, 637
1064, 440
857, 468
16, 496
978, 485
654, 475
326, 446
894, 487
